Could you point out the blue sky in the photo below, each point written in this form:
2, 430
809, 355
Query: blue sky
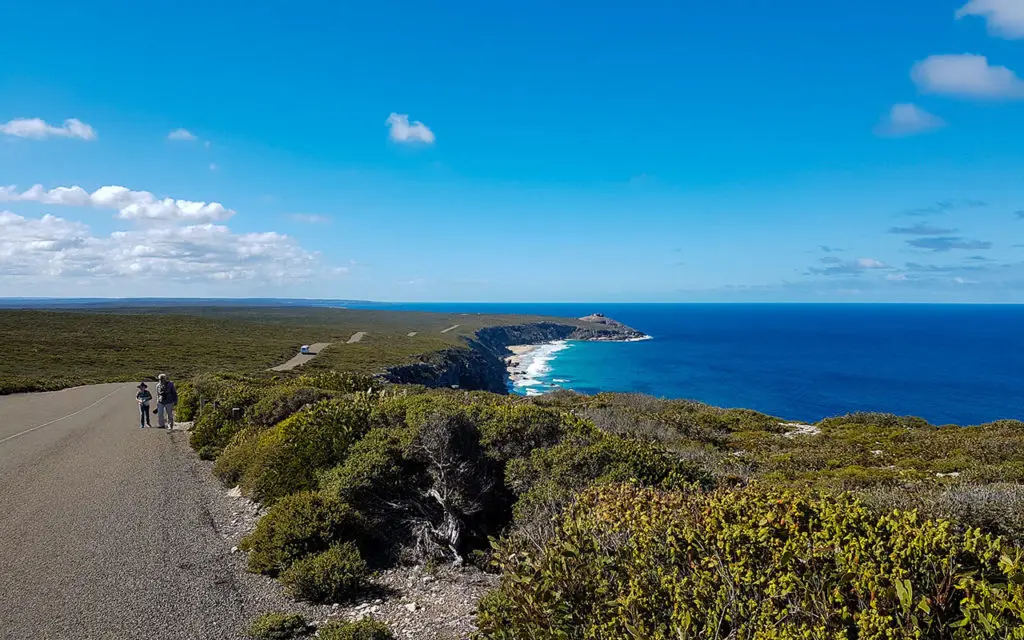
735, 150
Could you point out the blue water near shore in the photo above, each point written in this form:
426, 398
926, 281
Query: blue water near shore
961, 364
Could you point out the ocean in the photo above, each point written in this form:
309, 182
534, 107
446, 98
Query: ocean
949, 364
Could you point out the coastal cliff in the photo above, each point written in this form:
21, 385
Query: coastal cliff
481, 366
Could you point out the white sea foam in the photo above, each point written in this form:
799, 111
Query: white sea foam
534, 365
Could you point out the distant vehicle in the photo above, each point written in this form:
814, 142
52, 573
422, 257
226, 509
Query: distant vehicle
304, 350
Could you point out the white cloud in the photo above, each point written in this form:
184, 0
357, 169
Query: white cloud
310, 218
130, 205
834, 266
181, 134
896, 277
404, 131
966, 75
38, 129
907, 120
51, 248
1005, 17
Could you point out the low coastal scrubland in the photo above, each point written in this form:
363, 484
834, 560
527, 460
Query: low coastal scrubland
624, 516
49, 350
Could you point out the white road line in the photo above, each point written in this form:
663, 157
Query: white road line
70, 415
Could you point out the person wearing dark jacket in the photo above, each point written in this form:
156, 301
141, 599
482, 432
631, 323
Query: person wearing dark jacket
144, 397
166, 398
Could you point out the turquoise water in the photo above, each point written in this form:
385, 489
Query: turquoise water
961, 364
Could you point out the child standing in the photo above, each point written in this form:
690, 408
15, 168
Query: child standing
144, 397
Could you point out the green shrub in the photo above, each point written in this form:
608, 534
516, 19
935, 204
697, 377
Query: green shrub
211, 431
548, 481
634, 562
332, 576
366, 629
886, 420
188, 402
995, 508
513, 431
375, 472
279, 626
277, 403
287, 457
299, 525
232, 462
576, 463
377, 480
412, 410
430, 488
215, 426
461, 498
338, 381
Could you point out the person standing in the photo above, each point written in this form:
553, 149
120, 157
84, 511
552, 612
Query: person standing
166, 398
144, 397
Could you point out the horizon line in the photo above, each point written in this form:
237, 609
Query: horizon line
590, 302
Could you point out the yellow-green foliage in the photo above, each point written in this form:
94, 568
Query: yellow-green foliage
379, 459
279, 402
215, 426
633, 562
366, 629
286, 457
337, 381
279, 626
861, 450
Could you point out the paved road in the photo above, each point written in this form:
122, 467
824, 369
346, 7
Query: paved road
357, 337
302, 358
106, 530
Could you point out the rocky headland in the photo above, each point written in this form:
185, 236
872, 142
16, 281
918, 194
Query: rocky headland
483, 365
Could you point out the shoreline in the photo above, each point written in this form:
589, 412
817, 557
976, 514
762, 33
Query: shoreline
530, 362
517, 365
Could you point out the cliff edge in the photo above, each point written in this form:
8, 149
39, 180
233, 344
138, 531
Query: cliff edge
480, 366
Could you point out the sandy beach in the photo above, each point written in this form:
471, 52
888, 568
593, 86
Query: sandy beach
529, 363
518, 362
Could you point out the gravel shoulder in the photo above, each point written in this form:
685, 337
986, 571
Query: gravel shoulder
111, 531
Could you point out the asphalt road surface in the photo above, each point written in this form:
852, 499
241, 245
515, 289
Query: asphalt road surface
302, 358
106, 530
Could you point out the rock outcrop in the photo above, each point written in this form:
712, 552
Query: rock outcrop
480, 366
598, 327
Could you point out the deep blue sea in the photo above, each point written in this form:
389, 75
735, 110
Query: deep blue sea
961, 364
